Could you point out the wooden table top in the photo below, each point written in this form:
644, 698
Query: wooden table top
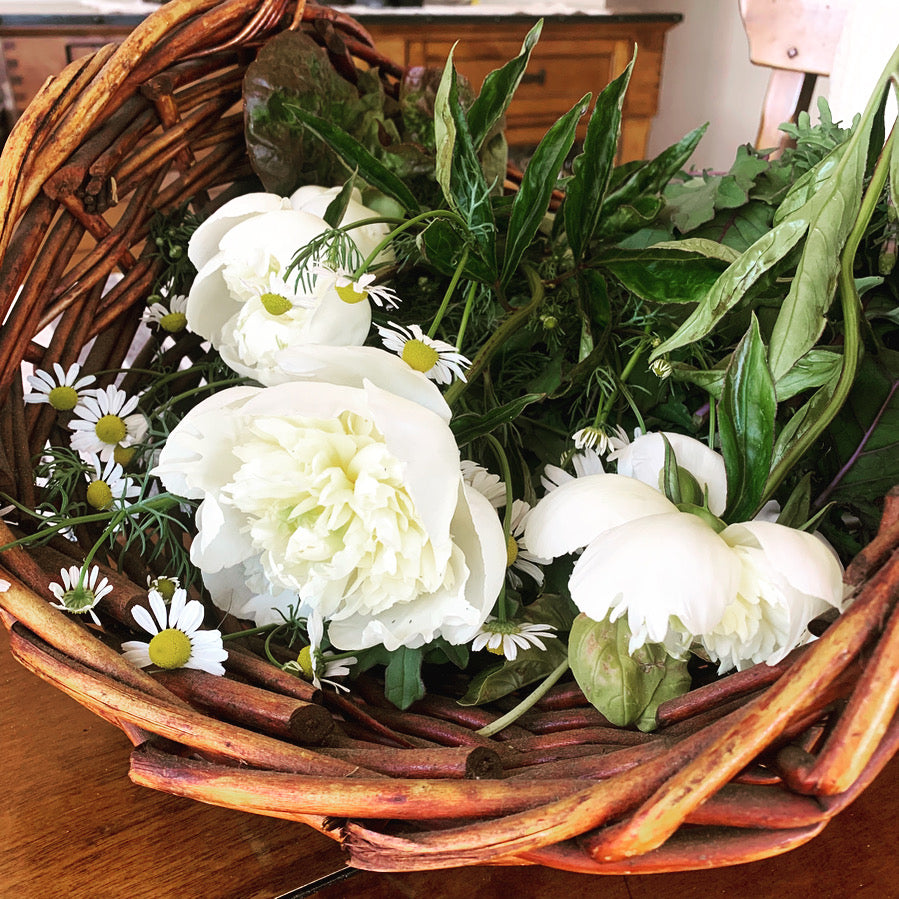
73, 825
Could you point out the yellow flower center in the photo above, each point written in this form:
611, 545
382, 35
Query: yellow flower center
124, 454
511, 550
99, 495
173, 322
63, 398
165, 587
420, 356
349, 294
304, 660
170, 648
111, 429
275, 304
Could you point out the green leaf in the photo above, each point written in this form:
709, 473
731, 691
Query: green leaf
498, 89
440, 650
711, 249
746, 416
470, 425
402, 677
530, 665
664, 275
816, 367
338, 206
354, 155
803, 419
623, 686
647, 180
445, 128
795, 511
532, 199
591, 169
733, 283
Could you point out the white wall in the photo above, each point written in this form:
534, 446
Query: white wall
707, 77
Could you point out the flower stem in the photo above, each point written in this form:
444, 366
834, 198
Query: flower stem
527, 703
503, 460
466, 312
447, 296
603, 411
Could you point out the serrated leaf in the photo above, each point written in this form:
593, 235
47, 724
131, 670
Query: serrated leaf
471, 425
498, 89
402, 677
537, 183
746, 416
591, 169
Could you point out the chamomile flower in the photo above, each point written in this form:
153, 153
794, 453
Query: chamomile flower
593, 437
107, 484
177, 641
520, 559
317, 666
106, 420
171, 318
64, 391
505, 638
436, 359
165, 586
587, 462
79, 595
661, 368
485, 482
354, 290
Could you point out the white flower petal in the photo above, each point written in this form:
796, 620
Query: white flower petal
576, 512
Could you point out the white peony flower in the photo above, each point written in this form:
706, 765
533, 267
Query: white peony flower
644, 459
346, 502
746, 593
246, 302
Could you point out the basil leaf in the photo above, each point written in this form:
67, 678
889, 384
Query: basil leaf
402, 677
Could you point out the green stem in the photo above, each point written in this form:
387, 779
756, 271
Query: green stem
447, 296
503, 460
466, 312
851, 306
499, 337
527, 703
251, 631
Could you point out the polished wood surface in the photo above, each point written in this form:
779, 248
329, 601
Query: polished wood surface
73, 825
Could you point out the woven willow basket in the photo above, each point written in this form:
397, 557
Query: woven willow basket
746, 767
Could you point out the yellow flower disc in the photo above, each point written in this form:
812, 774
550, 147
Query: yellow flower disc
170, 648
63, 398
420, 356
349, 294
275, 304
111, 429
511, 551
165, 587
99, 495
173, 322
124, 454
304, 660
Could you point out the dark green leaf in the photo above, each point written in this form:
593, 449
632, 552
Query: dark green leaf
664, 275
530, 666
532, 199
591, 169
498, 88
402, 677
338, 206
353, 154
440, 650
470, 425
746, 416
795, 511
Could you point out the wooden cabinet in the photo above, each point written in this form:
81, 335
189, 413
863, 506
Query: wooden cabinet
575, 55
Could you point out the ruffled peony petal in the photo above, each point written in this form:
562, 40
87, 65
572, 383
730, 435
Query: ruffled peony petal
644, 459
579, 510
663, 571
352, 366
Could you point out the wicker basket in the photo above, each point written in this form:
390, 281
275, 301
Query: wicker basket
744, 768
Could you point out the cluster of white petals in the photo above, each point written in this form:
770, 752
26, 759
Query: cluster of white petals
344, 500
244, 300
746, 593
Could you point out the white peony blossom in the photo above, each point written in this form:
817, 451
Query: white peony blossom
343, 501
746, 593
246, 302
